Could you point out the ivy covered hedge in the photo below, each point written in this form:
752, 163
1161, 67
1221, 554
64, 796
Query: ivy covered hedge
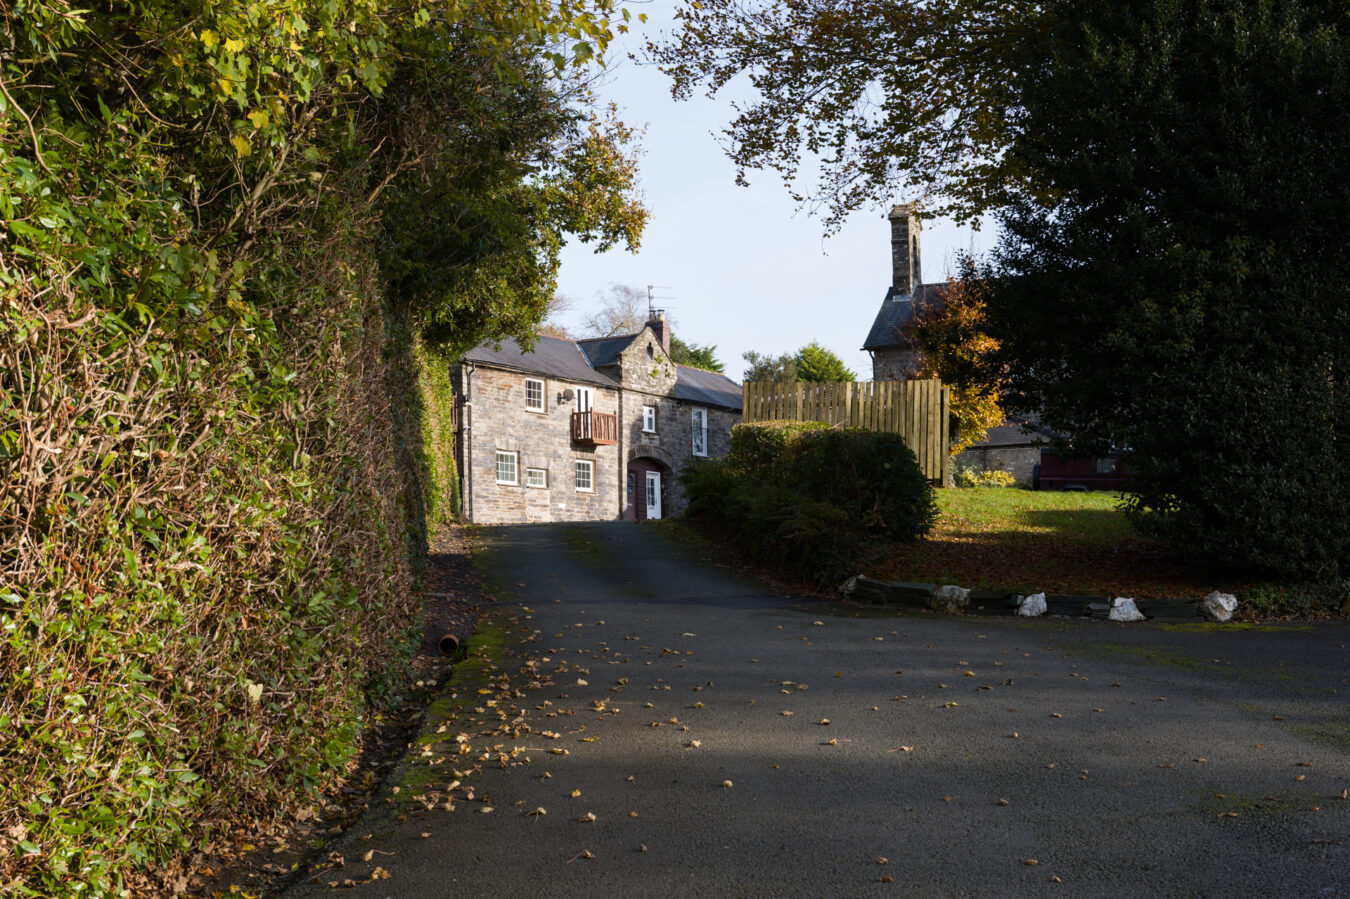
816, 500
221, 413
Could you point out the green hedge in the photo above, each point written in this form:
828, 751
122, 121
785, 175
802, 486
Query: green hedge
818, 501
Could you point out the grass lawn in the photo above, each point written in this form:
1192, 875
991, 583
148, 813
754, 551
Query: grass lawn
1029, 541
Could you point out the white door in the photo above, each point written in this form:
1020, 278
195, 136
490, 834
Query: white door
653, 494
583, 399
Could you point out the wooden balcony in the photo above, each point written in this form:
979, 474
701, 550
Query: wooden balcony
595, 427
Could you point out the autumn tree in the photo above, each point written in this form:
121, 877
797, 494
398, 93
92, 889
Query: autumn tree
954, 345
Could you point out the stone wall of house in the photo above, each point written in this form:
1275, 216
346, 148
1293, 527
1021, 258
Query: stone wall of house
894, 364
645, 366
671, 443
500, 421
1020, 460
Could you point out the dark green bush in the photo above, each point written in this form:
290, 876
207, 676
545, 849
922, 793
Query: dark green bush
758, 450
1302, 600
820, 502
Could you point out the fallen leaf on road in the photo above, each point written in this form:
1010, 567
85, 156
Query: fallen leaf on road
538, 812
726, 783
588, 818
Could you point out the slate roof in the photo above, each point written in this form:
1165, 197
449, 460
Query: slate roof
1016, 431
605, 350
895, 313
574, 360
551, 356
708, 388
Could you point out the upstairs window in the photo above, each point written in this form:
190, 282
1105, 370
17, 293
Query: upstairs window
649, 419
534, 395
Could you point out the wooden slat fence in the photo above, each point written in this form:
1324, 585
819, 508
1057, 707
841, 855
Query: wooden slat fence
916, 410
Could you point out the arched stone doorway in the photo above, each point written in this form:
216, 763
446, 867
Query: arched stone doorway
648, 477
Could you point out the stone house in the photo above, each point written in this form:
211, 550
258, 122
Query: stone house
1013, 446
585, 430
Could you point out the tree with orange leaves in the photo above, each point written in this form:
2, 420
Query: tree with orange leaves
954, 346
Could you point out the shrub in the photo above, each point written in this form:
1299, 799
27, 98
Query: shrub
984, 477
1309, 599
816, 500
758, 449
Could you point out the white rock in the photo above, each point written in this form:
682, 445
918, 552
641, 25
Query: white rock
1032, 605
1124, 609
850, 586
1218, 606
949, 599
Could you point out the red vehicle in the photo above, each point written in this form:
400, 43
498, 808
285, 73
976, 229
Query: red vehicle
1102, 473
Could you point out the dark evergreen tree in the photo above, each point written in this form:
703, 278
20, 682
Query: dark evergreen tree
1178, 286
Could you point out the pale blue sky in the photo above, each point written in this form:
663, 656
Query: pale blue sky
747, 271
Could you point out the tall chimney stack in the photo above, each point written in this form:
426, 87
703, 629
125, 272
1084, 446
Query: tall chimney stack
904, 249
659, 324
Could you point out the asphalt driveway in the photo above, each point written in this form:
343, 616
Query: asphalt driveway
658, 726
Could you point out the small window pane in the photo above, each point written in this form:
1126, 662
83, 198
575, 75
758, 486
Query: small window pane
506, 468
584, 479
699, 417
534, 394
536, 477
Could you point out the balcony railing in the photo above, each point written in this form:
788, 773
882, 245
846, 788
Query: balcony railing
595, 427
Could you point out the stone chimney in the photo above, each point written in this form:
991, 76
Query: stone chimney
904, 250
659, 325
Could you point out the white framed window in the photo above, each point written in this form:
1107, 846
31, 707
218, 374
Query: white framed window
534, 395
536, 477
506, 468
649, 419
585, 476
699, 418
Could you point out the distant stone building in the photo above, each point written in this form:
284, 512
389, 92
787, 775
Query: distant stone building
1013, 446
894, 357
585, 430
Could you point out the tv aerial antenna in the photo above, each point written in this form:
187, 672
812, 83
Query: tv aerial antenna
653, 299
